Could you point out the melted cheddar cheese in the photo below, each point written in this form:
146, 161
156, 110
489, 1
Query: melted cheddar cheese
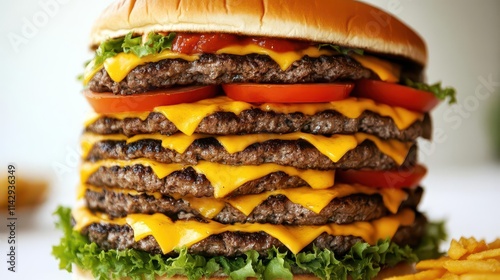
172, 235
386, 71
121, 64
283, 59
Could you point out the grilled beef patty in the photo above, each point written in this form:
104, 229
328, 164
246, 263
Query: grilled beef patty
295, 153
258, 121
277, 209
213, 69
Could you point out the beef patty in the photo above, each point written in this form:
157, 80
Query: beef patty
109, 236
295, 153
213, 69
184, 182
258, 121
277, 209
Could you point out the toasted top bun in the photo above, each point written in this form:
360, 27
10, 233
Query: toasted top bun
398, 270
340, 22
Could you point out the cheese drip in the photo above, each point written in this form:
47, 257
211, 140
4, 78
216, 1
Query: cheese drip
120, 65
223, 178
314, 200
208, 207
187, 117
181, 233
334, 147
283, 59
386, 71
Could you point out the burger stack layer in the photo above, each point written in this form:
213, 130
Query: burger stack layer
218, 143
273, 184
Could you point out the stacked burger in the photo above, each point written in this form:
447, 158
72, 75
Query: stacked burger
240, 139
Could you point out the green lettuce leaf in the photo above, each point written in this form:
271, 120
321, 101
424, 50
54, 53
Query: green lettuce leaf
436, 89
133, 45
363, 261
156, 43
108, 49
278, 267
248, 270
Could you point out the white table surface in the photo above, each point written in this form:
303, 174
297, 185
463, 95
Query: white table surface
467, 197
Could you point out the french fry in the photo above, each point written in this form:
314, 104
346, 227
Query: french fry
429, 274
474, 246
479, 277
450, 276
488, 254
495, 244
422, 275
468, 259
457, 249
472, 266
482, 246
404, 277
431, 264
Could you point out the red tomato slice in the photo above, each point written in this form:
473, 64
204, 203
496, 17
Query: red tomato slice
277, 44
396, 95
191, 43
112, 103
284, 93
405, 178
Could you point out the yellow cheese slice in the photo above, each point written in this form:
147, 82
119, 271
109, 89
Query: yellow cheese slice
88, 140
121, 64
283, 59
187, 116
208, 207
316, 200
90, 71
387, 71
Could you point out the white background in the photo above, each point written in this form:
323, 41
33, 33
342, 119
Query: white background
41, 112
